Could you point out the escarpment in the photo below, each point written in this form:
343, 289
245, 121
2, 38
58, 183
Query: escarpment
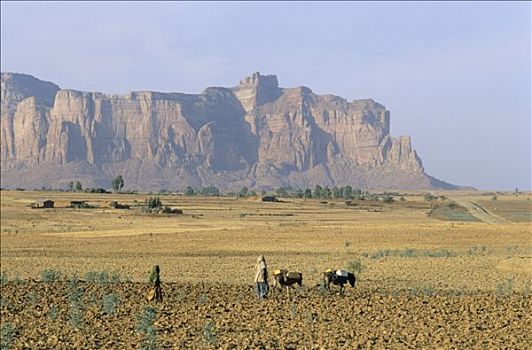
256, 134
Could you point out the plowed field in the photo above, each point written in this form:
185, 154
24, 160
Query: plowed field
76, 278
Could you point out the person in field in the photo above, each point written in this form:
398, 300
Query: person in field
156, 291
261, 278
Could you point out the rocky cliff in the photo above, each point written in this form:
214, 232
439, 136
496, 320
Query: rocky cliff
255, 134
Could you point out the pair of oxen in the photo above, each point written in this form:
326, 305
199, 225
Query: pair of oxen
285, 278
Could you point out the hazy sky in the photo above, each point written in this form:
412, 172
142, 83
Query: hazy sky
455, 76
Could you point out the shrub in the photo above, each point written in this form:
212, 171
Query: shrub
49, 275
201, 299
52, 313
153, 203
7, 335
505, 288
3, 278
209, 332
355, 266
75, 302
387, 199
109, 303
429, 197
145, 325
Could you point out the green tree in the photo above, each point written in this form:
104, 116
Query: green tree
78, 186
71, 186
189, 191
118, 183
210, 191
244, 192
326, 192
281, 192
347, 192
317, 191
308, 193
337, 192
153, 203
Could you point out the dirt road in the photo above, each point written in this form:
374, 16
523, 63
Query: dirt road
480, 213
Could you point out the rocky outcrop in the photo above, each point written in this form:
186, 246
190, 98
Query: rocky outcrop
255, 134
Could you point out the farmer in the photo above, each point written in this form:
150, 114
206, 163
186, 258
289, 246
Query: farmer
155, 291
261, 278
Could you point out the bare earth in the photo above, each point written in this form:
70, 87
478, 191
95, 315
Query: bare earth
424, 282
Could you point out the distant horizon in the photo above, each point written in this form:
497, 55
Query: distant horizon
455, 76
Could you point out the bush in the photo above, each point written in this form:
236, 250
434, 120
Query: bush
110, 303
145, 325
387, 199
75, 302
3, 278
429, 197
50, 275
7, 335
189, 191
116, 205
53, 313
153, 203
505, 288
355, 266
209, 332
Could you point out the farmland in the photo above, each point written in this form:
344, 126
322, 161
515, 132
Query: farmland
429, 273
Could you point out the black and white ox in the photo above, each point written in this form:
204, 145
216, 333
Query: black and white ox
338, 278
284, 278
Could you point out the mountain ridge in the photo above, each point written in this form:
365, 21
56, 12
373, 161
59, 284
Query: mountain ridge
255, 134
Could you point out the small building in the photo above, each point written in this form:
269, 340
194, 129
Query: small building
48, 203
270, 199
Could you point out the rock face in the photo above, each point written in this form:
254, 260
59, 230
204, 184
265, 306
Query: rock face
255, 134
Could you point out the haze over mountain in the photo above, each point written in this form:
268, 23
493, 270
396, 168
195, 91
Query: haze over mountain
254, 134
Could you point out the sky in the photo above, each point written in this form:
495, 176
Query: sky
456, 76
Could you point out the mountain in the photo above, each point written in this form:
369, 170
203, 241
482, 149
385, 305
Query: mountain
255, 134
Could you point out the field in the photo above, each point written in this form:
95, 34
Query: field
430, 274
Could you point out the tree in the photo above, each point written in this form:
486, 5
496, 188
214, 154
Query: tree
337, 192
347, 192
307, 194
118, 183
78, 186
153, 203
71, 186
210, 191
244, 192
189, 191
281, 192
317, 191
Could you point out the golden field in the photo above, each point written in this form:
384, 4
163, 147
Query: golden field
423, 280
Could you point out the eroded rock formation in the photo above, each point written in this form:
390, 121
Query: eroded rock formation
255, 134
